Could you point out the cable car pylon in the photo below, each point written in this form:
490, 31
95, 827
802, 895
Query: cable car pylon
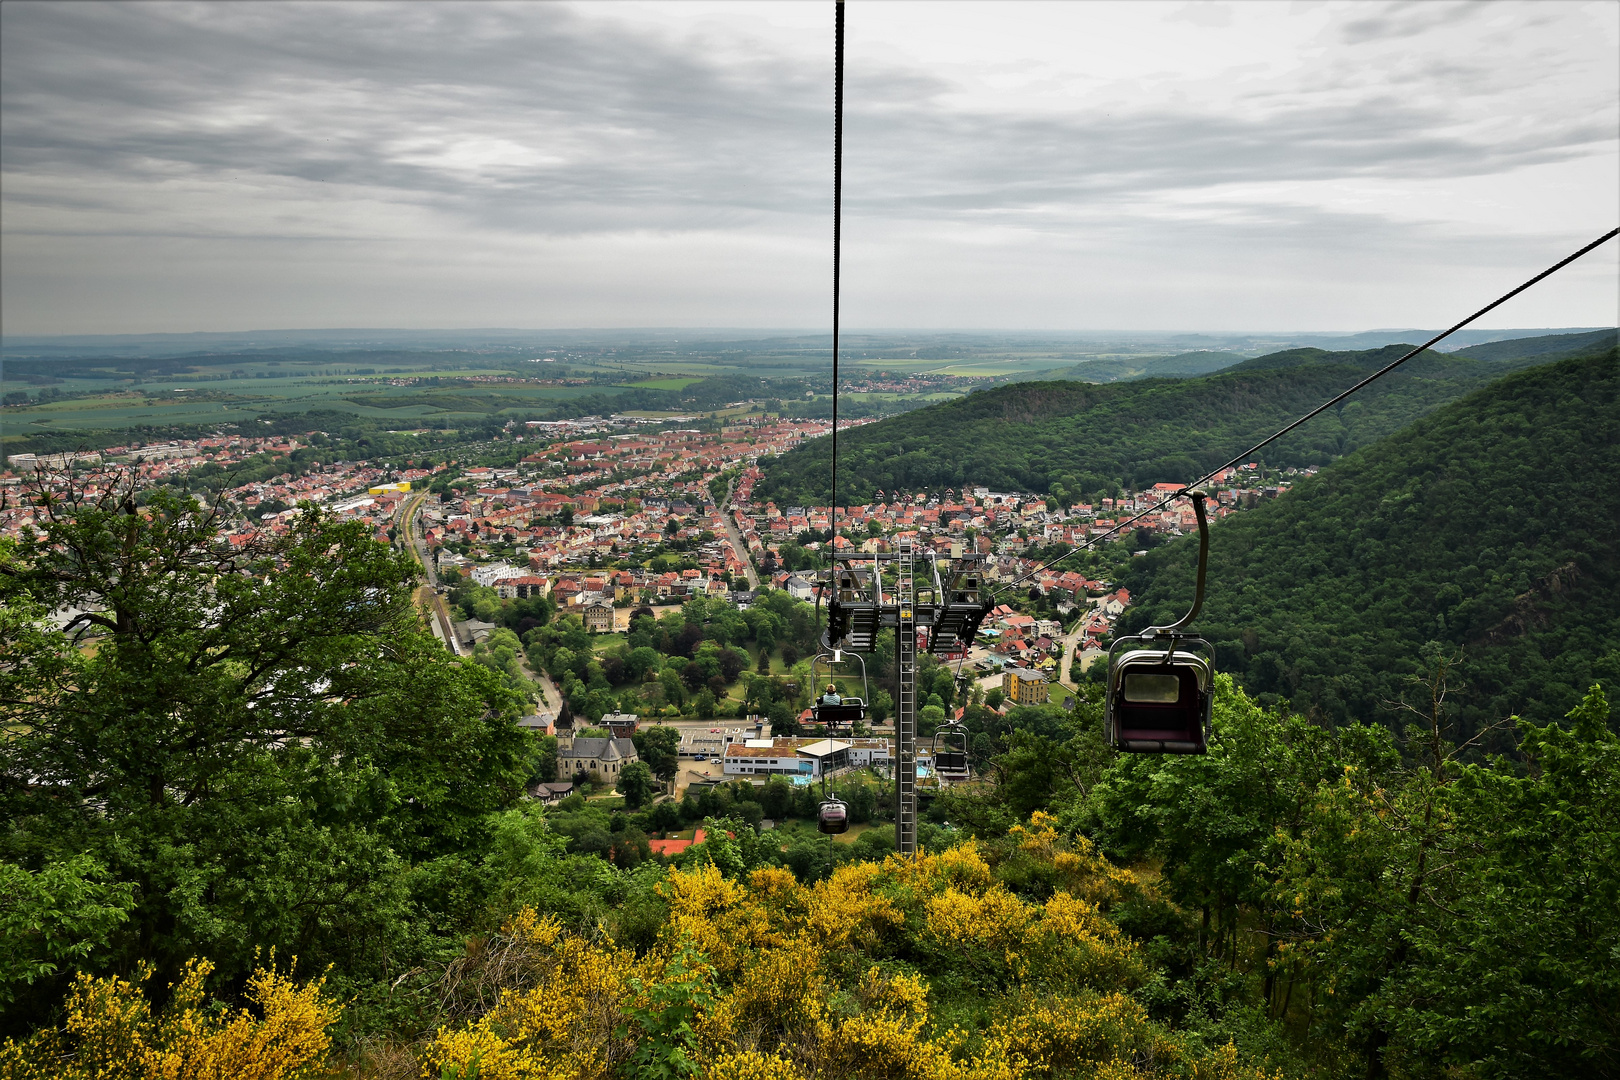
947, 610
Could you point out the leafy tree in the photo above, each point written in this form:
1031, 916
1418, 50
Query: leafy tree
630, 848
640, 662
784, 720
52, 918
1463, 915
674, 691
776, 798
545, 762
665, 817
262, 742
667, 1024
659, 747
636, 784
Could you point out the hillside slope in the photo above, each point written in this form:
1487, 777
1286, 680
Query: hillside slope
1489, 527
1148, 367
1036, 436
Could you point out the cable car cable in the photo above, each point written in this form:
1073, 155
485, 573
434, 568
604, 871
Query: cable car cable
838, 220
1380, 373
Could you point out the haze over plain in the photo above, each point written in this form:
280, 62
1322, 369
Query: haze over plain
1101, 166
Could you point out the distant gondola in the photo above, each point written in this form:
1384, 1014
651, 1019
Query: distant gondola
833, 816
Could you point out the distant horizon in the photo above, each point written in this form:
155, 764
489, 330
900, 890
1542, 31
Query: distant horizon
786, 331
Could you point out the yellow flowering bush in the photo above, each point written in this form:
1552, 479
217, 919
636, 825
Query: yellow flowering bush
110, 1033
848, 911
568, 1025
769, 978
1079, 868
1054, 1036
1074, 944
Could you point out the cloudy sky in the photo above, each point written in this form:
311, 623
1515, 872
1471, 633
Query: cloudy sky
1088, 166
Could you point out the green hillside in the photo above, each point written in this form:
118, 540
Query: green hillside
1038, 436
1548, 345
1487, 528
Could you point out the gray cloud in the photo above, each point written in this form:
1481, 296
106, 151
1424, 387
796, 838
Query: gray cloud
347, 122
533, 117
1409, 18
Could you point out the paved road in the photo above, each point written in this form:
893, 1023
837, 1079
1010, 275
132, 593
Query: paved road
551, 699
1069, 641
735, 536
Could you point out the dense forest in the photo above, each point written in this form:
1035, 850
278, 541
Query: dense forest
1147, 367
1039, 436
1487, 530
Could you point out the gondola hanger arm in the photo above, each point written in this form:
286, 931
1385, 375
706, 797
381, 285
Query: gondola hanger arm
1198, 496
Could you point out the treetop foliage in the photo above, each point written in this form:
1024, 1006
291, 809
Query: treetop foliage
257, 740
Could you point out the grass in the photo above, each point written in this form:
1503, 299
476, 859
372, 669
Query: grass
799, 828
119, 401
665, 384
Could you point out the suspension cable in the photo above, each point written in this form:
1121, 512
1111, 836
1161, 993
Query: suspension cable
1380, 373
838, 215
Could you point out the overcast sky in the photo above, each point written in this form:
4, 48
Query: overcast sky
1137, 166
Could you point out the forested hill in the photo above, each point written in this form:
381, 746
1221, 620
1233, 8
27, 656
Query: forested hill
1510, 353
1487, 528
1083, 438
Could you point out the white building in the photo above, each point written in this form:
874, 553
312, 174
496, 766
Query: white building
353, 506
489, 575
39, 463
812, 758
769, 757
867, 752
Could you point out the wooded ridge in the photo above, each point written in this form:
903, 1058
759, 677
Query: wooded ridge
1486, 528
1032, 436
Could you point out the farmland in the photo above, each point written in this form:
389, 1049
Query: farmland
98, 391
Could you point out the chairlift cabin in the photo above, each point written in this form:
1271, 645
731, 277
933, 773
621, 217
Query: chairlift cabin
837, 712
1159, 694
1161, 681
951, 752
833, 816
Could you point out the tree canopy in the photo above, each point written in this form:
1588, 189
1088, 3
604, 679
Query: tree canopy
254, 737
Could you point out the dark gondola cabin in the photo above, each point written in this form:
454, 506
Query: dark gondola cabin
1159, 699
833, 817
1161, 681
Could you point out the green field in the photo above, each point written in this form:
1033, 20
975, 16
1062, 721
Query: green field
666, 384
108, 391
116, 394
